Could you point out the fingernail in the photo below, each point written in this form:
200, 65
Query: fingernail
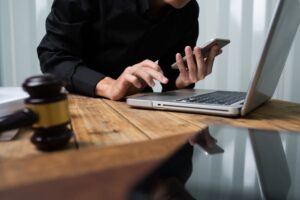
188, 48
165, 80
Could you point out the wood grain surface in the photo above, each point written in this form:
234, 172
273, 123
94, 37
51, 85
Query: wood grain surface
154, 123
97, 124
274, 115
61, 165
111, 134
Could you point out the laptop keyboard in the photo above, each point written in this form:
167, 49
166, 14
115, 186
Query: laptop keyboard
218, 97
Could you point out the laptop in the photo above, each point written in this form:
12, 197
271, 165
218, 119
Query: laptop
280, 37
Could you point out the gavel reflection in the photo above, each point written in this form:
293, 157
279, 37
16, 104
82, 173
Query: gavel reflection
46, 112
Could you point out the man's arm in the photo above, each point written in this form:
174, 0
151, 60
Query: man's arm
61, 50
133, 80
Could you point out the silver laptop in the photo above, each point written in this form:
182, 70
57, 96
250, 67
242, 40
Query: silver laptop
279, 41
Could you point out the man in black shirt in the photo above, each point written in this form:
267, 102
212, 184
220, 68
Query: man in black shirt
108, 48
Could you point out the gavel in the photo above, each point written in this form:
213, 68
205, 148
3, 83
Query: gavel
46, 112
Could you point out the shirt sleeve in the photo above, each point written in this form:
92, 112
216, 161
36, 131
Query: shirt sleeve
61, 50
189, 39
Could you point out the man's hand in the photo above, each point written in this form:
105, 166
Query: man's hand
198, 66
133, 80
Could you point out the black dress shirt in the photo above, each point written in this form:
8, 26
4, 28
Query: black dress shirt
87, 40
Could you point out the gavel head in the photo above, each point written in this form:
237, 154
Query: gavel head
52, 129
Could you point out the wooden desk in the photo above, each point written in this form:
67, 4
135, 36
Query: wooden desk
112, 135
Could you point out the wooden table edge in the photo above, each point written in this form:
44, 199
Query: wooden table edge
29, 171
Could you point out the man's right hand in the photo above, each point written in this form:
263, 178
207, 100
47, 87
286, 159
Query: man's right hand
133, 80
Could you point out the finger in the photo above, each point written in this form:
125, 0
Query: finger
201, 66
147, 77
209, 65
154, 70
211, 58
217, 50
133, 80
157, 76
146, 73
153, 65
191, 64
181, 66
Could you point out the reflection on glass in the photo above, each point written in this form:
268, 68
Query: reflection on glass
271, 164
199, 171
206, 142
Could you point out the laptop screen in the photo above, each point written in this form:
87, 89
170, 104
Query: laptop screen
228, 163
279, 40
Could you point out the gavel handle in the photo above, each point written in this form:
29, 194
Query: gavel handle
22, 118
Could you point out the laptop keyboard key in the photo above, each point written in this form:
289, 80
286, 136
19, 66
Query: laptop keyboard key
218, 97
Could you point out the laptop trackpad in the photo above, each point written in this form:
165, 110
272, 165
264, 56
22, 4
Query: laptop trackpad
171, 95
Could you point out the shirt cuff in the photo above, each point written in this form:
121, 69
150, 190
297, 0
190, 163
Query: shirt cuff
84, 80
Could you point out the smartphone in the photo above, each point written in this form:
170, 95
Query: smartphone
206, 48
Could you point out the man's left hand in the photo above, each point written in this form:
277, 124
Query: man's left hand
197, 67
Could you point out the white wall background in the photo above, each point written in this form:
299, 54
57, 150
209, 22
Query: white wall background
22, 27
244, 22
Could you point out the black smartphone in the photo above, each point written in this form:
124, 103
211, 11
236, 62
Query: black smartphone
206, 48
